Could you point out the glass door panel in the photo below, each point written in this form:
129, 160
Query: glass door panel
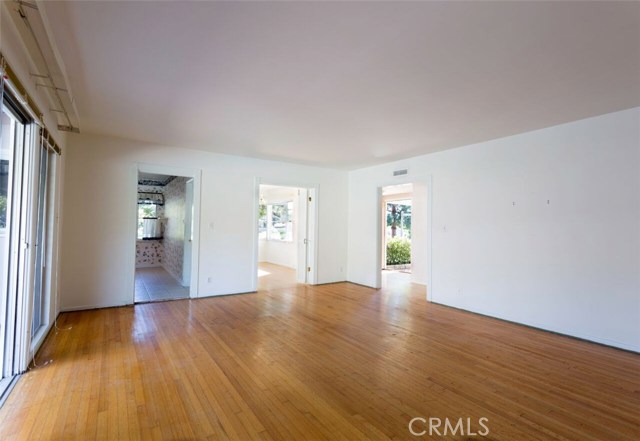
39, 319
11, 149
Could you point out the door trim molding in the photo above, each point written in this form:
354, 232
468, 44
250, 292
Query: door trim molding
408, 179
196, 175
258, 181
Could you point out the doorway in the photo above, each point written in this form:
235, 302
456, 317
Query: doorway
165, 232
396, 234
285, 239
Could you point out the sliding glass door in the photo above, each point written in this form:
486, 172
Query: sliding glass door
28, 231
39, 306
13, 142
6, 181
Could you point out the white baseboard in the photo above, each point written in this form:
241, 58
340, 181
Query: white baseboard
88, 307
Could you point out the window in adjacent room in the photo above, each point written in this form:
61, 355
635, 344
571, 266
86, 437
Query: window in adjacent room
147, 213
281, 227
275, 221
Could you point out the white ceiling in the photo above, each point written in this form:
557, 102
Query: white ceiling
397, 189
343, 84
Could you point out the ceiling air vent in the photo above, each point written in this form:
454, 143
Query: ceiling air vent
400, 172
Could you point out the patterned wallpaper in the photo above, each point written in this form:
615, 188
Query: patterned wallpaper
153, 189
149, 253
158, 180
169, 251
174, 197
150, 188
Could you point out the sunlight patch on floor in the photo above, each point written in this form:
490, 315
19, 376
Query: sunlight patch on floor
262, 273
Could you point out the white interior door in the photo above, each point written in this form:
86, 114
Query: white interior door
301, 234
188, 234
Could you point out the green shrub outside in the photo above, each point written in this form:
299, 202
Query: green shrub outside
3, 211
398, 251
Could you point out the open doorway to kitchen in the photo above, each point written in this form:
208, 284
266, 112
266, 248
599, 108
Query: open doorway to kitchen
164, 237
285, 239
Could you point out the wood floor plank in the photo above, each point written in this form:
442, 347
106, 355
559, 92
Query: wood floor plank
332, 362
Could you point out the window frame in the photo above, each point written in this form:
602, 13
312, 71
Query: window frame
140, 224
266, 225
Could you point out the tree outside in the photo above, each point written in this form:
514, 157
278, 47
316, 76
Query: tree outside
398, 233
399, 219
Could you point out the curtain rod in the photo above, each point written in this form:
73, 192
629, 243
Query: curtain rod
69, 127
16, 84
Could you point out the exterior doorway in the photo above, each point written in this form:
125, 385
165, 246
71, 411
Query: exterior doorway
412, 221
396, 234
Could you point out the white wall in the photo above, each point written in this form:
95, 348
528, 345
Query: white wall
278, 252
419, 233
570, 266
101, 178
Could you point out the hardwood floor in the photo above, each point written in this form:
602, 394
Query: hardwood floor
333, 362
271, 277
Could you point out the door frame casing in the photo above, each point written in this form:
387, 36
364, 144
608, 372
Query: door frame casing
384, 200
311, 224
408, 179
196, 175
188, 197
